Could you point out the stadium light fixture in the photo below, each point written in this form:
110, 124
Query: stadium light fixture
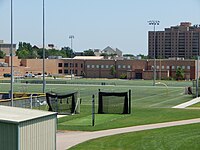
154, 23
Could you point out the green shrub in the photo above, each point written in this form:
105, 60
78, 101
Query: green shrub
123, 76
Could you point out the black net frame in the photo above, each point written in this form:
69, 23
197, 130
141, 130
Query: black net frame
126, 102
194, 88
68, 101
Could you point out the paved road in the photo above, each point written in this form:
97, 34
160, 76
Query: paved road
67, 139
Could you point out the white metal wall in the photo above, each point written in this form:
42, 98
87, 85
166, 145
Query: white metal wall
38, 134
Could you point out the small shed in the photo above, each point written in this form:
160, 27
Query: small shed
26, 129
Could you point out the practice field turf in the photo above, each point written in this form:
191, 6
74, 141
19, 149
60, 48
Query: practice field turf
149, 104
86, 121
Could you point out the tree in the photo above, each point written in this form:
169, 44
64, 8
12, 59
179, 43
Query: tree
67, 52
104, 54
179, 73
142, 56
2, 54
25, 50
113, 71
128, 55
88, 53
112, 56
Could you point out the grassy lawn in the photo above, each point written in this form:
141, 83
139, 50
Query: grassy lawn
172, 138
149, 104
197, 105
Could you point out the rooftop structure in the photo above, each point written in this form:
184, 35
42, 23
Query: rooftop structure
6, 47
23, 129
89, 57
17, 115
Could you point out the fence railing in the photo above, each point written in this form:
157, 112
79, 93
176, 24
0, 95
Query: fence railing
32, 102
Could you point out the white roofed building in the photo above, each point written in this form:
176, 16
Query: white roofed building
109, 50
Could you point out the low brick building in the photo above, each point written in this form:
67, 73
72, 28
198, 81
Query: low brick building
101, 68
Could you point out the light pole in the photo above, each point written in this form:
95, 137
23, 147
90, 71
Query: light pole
43, 41
154, 23
11, 53
197, 82
71, 37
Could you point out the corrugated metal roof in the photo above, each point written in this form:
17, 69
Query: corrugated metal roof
17, 115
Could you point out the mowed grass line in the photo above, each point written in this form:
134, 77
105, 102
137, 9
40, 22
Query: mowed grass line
100, 119
139, 116
162, 99
184, 137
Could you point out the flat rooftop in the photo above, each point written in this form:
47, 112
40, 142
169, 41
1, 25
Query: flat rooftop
16, 115
89, 57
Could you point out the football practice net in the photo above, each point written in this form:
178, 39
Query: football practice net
114, 102
68, 103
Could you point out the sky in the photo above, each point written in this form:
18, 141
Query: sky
95, 24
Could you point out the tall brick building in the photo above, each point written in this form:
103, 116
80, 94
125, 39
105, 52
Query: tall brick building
182, 41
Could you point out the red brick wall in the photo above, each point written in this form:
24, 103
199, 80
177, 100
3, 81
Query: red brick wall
101, 68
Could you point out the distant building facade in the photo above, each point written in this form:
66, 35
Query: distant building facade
97, 67
6, 48
112, 51
182, 41
109, 53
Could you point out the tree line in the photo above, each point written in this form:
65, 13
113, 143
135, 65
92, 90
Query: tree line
27, 51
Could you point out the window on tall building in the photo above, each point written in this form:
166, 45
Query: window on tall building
65, 64
119, 66
76, 65
97, 66
102, 66
188, 67
60, 71
107, 66
65, 71
129, 66
92, 66
167, 67
71, 65
59, 64
81, 65
124, 66
88, 66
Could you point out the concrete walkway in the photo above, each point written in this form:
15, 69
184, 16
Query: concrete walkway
189, 103
67, 139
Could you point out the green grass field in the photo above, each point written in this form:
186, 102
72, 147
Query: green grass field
149, 105
172, 138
